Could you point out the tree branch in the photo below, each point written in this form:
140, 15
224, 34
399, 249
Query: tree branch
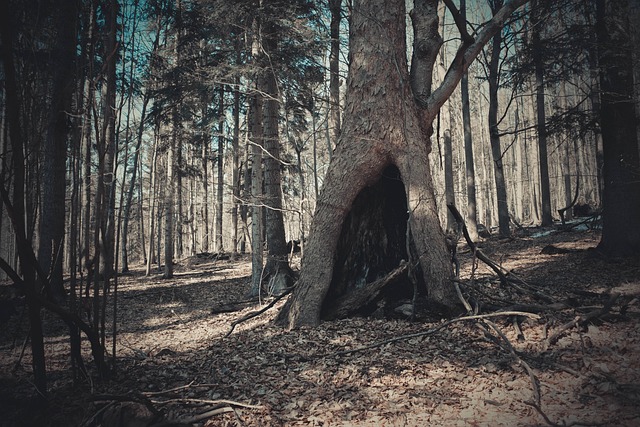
461, 23
467, 53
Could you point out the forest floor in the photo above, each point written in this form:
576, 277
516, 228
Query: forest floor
173, 352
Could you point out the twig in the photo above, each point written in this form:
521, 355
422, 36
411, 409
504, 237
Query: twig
158, 393
551, 423
532, 377
218, 402
422, 333
204, 415
258, 312
512, 280
132, 397
462, 299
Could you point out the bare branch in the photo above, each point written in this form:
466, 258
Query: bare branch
467, 53
461, 23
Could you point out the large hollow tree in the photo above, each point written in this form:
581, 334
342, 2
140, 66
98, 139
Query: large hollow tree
382, 151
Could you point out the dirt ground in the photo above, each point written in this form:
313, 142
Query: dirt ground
174, 357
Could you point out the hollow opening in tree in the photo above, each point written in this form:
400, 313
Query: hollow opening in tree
372, 244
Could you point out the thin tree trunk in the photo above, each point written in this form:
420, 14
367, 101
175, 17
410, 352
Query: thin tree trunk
235, 174
220, 164
17, 204
470, 178
545, 191
256, 195
132, 182
448, 175
334, 70
152, 201
496, 150
205, 176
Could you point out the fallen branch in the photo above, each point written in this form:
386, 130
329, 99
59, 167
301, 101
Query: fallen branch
217, 402
258, 312
203, 416
363, 296
502, 273
418, 334
159, 393
538, 409
581, 320
220, 407
535, 386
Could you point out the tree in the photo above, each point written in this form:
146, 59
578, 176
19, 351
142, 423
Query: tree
277, 266
51, 226
470, 176
545, 191
621, 198
384, 144
494, 132
335, 8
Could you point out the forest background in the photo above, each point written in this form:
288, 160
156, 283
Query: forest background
150, 131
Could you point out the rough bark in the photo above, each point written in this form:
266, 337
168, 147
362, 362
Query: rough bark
334, 70
621, 216
256, 141
380, 128
277, 266
386, 123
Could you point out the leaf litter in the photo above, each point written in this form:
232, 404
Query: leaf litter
173, 354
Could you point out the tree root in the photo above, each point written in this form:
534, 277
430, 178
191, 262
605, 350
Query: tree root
258, 312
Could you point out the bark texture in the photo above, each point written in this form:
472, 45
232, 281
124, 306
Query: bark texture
381, 127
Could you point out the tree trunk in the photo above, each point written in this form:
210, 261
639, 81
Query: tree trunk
384, 146
381, 128
236, 166
255, 112
152, 208
205, 175
496, 150
257, 144
621, 215
449, 191
470, 174
277, 266
109, 139
220, 164
169, 202
545, 191
129, 199
335, 8
8, 33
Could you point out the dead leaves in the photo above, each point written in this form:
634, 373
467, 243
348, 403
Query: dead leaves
172, 351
